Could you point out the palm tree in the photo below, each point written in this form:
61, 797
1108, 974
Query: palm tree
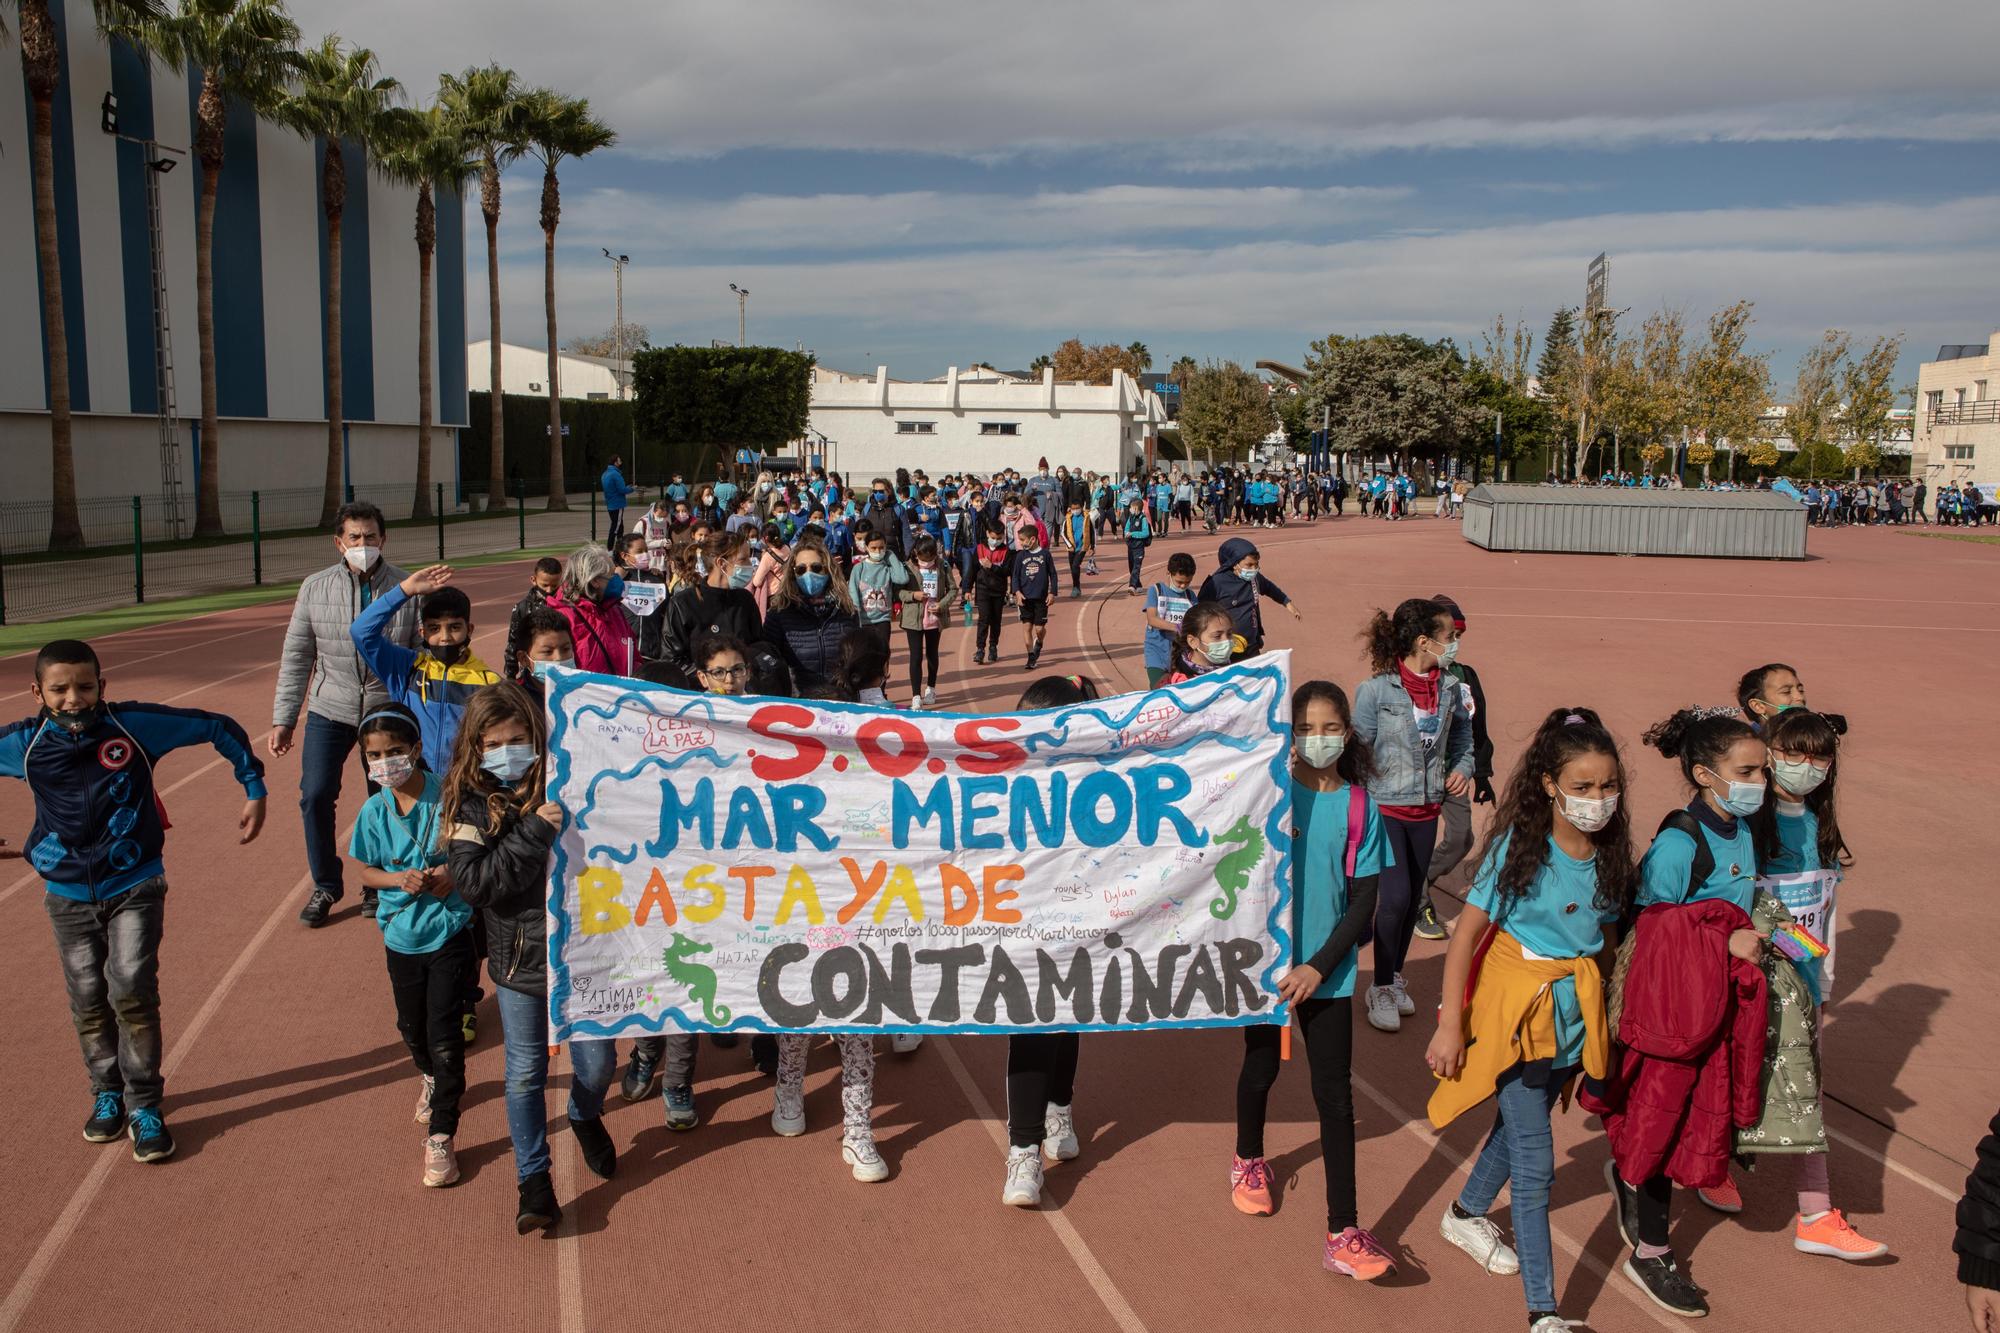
244, 50
558, 127
41, 71
428, 150
485, 104
1183, 370
339, 98
1141, 356
1040, 363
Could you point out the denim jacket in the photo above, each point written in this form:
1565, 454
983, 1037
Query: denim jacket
1404, 774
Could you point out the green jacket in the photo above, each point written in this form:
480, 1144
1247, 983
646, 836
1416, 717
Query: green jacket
1791, 1122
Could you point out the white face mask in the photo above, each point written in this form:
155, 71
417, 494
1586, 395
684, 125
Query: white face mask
391, 770
1797, 776
1588, 816
874, 696
361, 559
1321, 751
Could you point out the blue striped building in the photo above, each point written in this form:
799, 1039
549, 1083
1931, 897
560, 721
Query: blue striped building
270, 293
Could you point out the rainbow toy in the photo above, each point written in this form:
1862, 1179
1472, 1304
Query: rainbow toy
1798, 944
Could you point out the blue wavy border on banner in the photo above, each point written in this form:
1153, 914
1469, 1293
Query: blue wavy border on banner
1270, 670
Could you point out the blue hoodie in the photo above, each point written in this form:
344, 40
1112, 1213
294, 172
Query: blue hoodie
1239, 595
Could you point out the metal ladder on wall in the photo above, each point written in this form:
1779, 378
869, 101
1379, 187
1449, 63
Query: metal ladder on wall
171, 499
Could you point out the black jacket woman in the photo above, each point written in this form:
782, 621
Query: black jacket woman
811, 612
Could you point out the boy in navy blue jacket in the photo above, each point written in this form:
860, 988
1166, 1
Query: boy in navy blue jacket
97, 841
1032, 581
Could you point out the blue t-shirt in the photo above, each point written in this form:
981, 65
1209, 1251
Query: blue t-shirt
1798, 841
390, 840
1663, 873
1319, 874
1554, 919
1172, 604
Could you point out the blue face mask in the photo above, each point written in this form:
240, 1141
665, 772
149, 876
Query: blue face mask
740, 576
540, 670
813, 584
1744, 798
614, 588
508, 762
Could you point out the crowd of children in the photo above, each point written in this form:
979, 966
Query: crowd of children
1575, 966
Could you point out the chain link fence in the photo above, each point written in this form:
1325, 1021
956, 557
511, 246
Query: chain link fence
131, 556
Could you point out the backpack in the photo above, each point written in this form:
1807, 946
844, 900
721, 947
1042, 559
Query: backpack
1704, 857
1357, 820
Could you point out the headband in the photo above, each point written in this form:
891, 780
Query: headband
401, 717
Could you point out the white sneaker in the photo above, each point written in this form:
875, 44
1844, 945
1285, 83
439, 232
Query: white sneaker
860, 1154
1405, 1006
902, 1043
930, 696
440, 1162
1549, 1323
788, 1115
1059, 1133
1478, 1237
1024, 1178
917, 703
1382, 1012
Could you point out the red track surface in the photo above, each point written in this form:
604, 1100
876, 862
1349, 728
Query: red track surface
295, 1202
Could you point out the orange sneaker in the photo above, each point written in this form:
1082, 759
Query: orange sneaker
1357, 1254
1250, 1186
1724, 1198
1829, 1234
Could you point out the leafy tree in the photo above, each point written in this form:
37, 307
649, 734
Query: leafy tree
1183, 370
1225, 410
1295, 416
344, 101
41, 71
1556, 369
1040, 364
1528, 425
1140, 355
1076, 362
1867, 382
1644, 393
1392, 393
1812, 418
618, 340
1728, 386
485, 103
722, 398
245, 50
1505, 352
426, 149
557, 127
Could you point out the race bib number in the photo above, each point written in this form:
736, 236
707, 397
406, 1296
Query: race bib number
642, 599
930, 584
1809, 897
1173, 609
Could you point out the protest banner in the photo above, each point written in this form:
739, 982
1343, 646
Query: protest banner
768, 865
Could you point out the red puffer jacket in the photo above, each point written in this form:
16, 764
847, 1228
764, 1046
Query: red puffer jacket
1689, 1066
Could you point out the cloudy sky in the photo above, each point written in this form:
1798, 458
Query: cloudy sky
931, 184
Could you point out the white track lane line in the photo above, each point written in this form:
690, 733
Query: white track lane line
119, 666
1121, 1311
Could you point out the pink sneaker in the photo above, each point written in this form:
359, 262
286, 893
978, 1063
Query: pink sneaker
1250, 1186
1724, 1198
1829, 1234
1357, 1254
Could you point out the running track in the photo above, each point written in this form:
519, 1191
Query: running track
295, 1195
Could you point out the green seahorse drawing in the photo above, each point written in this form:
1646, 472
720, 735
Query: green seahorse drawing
1232, 872
699, 980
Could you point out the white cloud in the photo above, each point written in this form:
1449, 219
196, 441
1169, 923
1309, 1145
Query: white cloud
1210, 85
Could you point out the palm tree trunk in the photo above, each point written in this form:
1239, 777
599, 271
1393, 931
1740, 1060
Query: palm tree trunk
208, 484
496, 453
41, 69
335, 187
425, 213
558, 490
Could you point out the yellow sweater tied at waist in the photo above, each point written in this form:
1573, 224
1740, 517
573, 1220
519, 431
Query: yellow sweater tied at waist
1512, 1020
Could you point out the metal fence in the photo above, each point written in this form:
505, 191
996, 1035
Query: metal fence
130, 555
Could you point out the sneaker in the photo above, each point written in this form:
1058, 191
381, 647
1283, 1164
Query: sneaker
468, 1026
902, 1043
1059, 1133
316, 908
1724, 1198
1830, 1235
642, 1076
1250, 1186
1405, 1006
859, 1152
930, 696
681, 1115
1383, 1014
595, 1141
1024, 1178
1478, 1237
150, 1140
440, 1162
1428, 925
1626, 1200
369, 899
1550, 1323
107, 1118
538, 1210
979, 657
1357, 1254
1662, 1280
788, 1111
426, 1086
917, 703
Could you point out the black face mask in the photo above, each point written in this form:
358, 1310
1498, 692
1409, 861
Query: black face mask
75, 723
450, 654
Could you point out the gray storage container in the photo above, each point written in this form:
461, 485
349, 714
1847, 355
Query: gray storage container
1619, 520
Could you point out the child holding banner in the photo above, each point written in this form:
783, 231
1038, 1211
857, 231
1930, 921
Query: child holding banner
1207, 642
1524, 982
1338, 851
501, 829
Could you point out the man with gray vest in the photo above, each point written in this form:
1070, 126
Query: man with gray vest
321, 669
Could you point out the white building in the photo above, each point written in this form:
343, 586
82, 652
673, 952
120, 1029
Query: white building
1958, 415
526, 370
980, 421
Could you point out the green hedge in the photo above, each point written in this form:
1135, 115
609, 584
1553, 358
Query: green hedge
598, 428
751, 397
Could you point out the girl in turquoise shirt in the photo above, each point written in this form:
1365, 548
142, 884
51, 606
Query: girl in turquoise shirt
1338, 851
